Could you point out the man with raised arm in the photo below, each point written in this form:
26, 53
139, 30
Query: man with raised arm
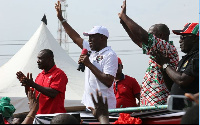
156, 85
101, 66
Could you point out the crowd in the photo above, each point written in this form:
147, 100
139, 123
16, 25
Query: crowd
165, 75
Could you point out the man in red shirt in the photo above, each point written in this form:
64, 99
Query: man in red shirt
51, 83
126, 89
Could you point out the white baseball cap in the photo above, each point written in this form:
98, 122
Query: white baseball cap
97, 29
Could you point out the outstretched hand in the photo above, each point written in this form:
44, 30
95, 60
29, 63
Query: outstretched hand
25, 80
100, 111
193, 97
159, 57
59, 10
33, 101
123, 9
22, 78
20, 75
33, 106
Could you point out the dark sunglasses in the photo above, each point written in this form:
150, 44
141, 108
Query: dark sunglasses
182, 37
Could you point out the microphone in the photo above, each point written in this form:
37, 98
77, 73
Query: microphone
81, 65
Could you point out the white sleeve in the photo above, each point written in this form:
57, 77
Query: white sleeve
111, 64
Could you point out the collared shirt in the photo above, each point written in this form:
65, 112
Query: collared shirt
106, 61
56, 79
154, 91
125, 90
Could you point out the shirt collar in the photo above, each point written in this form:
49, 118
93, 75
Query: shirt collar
122, 77
51, 70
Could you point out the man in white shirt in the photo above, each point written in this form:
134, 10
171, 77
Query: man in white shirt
101, 66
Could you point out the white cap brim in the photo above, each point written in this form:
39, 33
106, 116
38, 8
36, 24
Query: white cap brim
87, 34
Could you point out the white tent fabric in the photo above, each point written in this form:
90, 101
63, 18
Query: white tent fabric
25, 60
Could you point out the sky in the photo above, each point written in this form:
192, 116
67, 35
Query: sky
19, 19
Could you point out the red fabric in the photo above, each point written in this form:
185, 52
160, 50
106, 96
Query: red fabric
125, 93
127, 119
119, 60
5, 121
56, 79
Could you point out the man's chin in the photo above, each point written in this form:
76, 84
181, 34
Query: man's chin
92, 48
183, 50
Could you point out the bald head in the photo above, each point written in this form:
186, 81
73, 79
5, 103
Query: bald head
160, 31
64, 119
47, 53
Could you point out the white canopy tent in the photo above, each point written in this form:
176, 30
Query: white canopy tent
25, 60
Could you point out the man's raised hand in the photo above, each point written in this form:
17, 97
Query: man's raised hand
59, 11
100, 111
123, 9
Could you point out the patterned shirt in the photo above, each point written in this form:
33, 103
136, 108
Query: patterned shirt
154, 91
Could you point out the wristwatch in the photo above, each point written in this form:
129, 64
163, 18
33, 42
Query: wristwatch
64, 20
165, 66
